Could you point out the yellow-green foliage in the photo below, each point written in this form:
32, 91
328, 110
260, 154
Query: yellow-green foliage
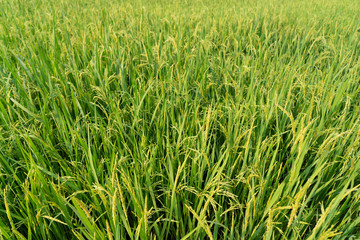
170, 119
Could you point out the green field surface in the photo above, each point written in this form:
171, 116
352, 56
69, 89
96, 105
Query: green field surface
154, 119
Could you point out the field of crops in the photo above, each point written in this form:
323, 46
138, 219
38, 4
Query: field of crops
202, 119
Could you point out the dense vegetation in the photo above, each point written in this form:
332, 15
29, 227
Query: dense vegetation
178, 119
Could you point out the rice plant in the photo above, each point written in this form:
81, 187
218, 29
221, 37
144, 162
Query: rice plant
202, 119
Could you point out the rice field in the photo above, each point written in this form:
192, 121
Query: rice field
202, 119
